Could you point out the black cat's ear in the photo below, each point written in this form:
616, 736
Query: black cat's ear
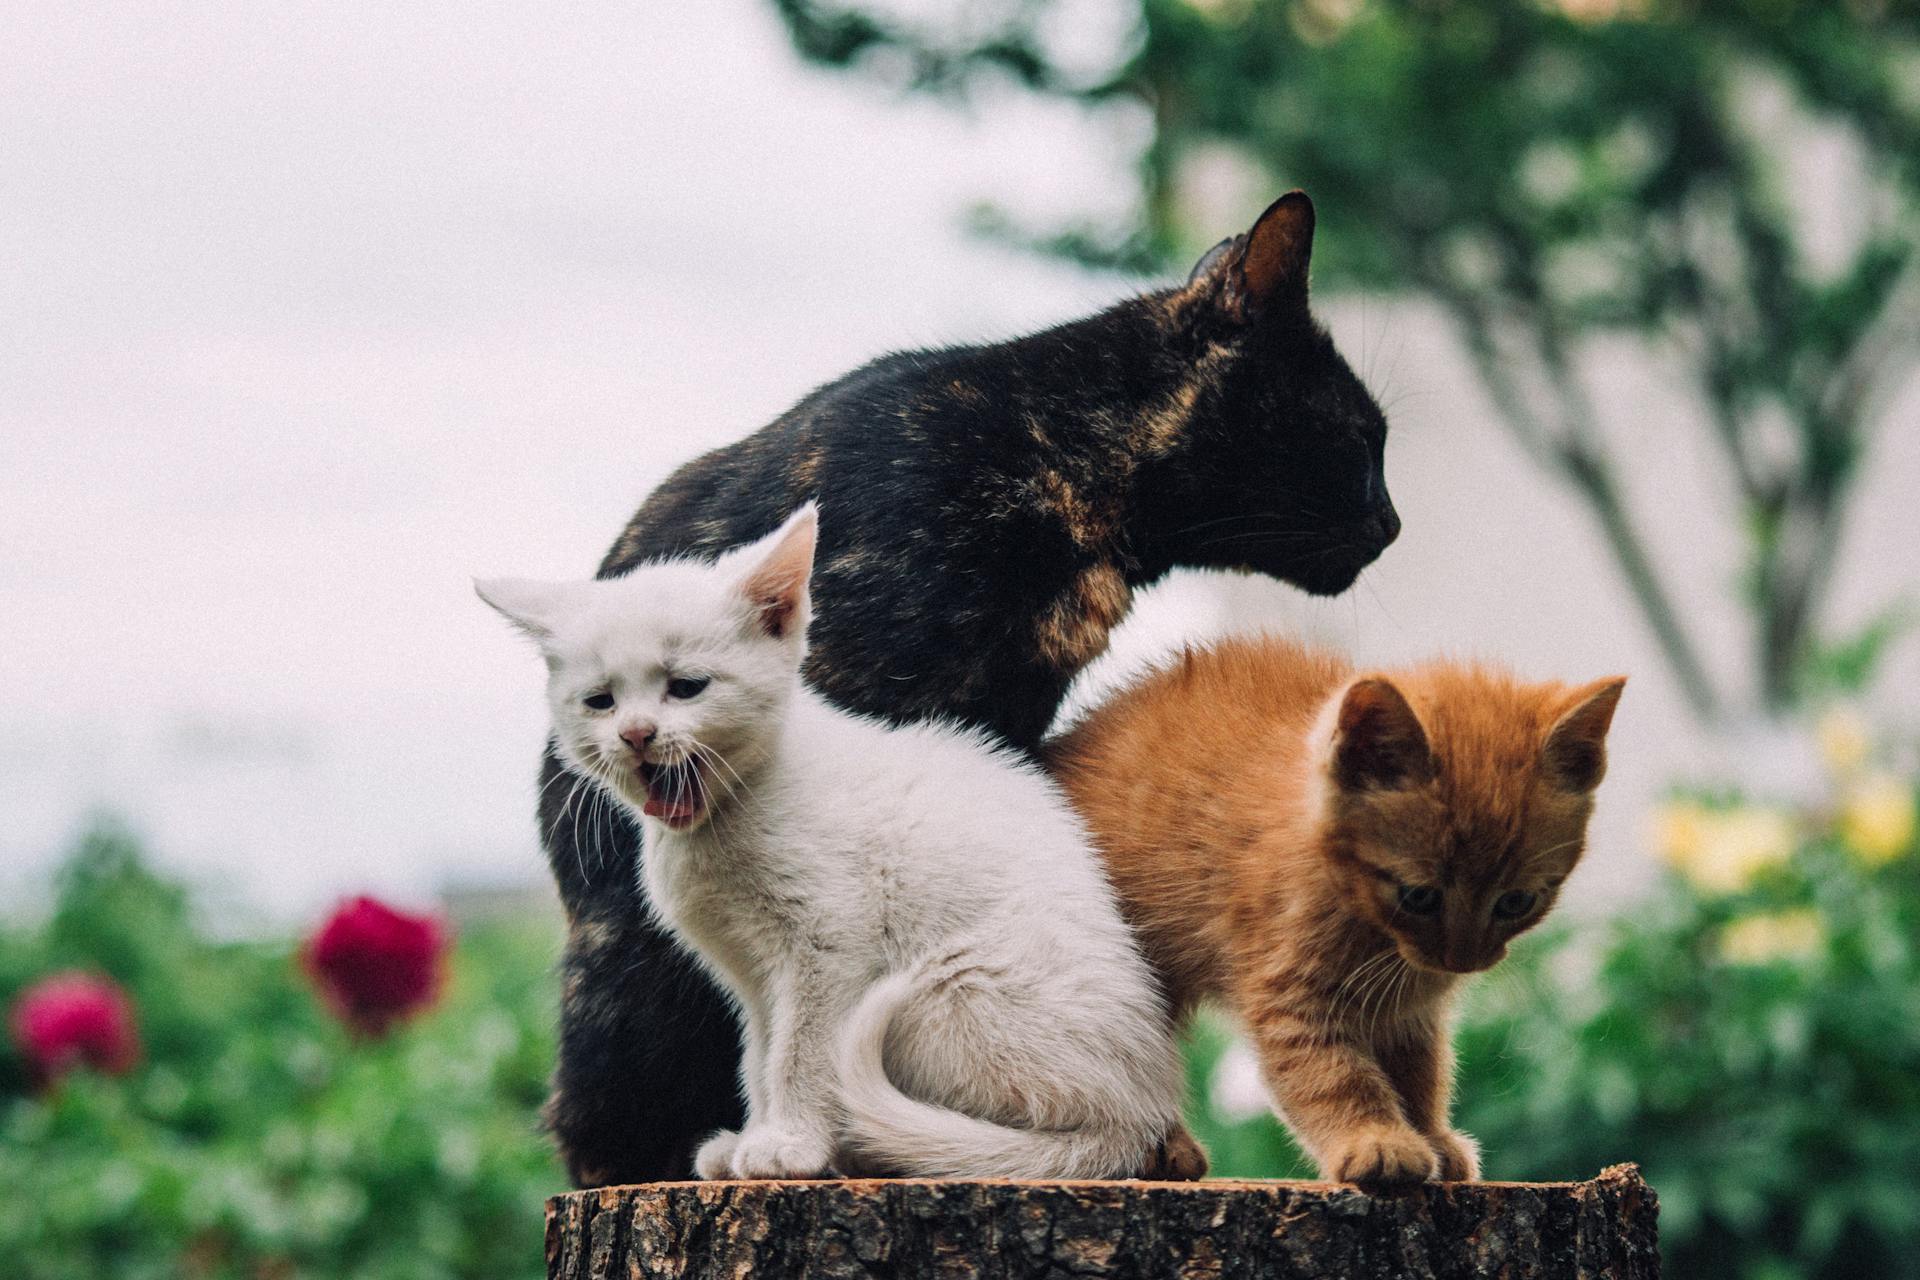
1210, 261
1378, 743
780, 570
1268, 266
1575, 755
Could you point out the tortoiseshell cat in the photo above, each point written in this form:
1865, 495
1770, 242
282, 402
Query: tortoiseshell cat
987, 513
1327, 852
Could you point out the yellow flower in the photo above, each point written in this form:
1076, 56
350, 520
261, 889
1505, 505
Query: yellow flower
1722, 850
1781, 935
1844, 740
1877, 818
1679, 833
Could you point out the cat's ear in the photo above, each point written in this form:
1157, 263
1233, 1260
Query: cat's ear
780, 567
1575, 755
532, 606
1378, 743
1266, 270
1210, 261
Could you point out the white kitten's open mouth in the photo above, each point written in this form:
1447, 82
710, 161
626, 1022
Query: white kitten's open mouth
676, 793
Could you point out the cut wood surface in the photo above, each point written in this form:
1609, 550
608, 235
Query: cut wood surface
1605, 1227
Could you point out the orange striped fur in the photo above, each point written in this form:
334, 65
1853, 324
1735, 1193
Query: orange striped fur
1327, 855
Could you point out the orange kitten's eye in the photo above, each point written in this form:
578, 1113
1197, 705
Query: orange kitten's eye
1514, 903
602, 701
1419, 899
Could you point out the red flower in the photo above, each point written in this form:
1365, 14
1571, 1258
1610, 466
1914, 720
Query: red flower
376, 965
71, 1018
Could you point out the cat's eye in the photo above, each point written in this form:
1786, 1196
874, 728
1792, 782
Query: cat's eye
1514, 904
601, 701
1419, 899
687, 686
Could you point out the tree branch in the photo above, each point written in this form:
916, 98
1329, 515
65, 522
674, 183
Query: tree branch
1576, 453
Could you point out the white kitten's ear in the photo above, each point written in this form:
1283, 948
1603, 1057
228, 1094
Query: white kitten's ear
534, 607
780, 568
1378, 743
1576, 749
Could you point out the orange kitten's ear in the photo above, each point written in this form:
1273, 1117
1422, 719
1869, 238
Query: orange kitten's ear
1377, 739
782, 567
1576, 750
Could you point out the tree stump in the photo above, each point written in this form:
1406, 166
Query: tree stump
1218, 1230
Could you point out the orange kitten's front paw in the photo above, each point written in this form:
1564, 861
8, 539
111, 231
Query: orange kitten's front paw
1459, 1156
1381, 1157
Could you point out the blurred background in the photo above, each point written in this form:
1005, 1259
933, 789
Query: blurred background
315, 313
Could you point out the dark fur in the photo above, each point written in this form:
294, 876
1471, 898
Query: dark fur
984, 514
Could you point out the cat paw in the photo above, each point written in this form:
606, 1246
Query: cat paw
1178, 1158
1382, 1157
781, 1153
714, 1159
1459, 1156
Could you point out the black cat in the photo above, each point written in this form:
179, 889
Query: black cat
986, 514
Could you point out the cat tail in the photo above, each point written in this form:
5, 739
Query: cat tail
905, 1137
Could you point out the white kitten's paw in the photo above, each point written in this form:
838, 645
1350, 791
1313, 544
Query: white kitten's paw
714, 1159
781, 1153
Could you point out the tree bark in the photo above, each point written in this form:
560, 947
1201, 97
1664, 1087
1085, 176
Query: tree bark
1605, 1227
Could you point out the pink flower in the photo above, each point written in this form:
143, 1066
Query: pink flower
375, 965
68, 1019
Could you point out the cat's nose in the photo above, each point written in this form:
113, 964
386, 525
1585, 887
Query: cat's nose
639, 737
1386, 524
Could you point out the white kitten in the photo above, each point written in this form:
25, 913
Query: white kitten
934, 978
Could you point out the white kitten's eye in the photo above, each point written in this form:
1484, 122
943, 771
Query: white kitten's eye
601, 701
687, 686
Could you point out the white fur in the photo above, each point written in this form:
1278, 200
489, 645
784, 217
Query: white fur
931, 969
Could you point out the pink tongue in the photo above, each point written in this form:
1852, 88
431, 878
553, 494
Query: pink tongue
658, 806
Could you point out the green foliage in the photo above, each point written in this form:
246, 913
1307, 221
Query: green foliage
1845, 665
1750, 1036
258, 1138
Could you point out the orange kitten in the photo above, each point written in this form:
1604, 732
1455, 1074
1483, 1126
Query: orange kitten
1329, 854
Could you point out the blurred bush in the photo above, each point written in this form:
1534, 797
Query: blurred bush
1750, 1035
259, 1137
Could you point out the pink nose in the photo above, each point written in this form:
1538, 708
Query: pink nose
638, 737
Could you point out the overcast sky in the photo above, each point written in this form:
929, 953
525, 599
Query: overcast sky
309, 314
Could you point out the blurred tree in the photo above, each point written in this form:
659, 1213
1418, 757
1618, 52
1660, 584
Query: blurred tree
1545, 172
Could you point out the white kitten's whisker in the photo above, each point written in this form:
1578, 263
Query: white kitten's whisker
578, 811
714, 758
558, 775
704, 777
553, 828
607, 810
